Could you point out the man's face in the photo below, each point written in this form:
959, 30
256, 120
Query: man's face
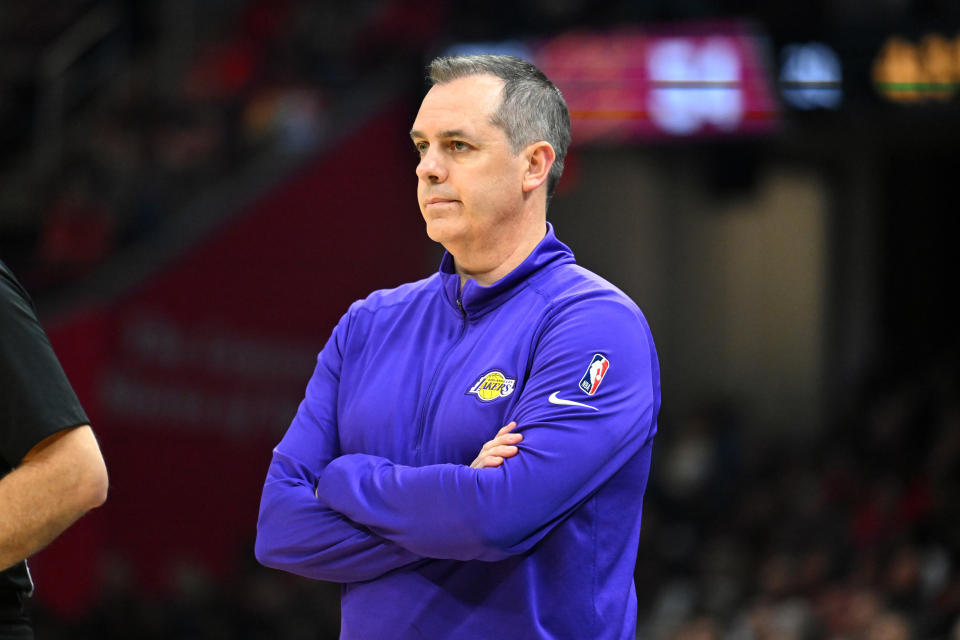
469, 179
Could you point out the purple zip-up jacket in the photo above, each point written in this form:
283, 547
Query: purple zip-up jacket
371, 485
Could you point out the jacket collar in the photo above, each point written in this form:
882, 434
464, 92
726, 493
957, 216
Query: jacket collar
477, 299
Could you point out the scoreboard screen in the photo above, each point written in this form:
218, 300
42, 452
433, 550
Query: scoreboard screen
692, 80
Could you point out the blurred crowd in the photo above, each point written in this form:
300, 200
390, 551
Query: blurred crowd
852, 535
171, 99
255, 603
99, 148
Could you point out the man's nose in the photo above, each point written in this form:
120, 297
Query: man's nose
431, 167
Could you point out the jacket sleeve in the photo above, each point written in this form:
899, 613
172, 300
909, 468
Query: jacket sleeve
568, 452
296, 532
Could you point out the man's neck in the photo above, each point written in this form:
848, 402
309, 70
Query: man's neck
497, 265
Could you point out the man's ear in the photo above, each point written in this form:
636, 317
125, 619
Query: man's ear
540, 157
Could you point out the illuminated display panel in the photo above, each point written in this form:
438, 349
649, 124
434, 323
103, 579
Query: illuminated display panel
641, 84
913, 73
811, 76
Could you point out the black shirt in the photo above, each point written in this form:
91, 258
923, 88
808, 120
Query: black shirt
36, 400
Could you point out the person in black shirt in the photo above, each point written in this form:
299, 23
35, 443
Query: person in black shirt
51, 470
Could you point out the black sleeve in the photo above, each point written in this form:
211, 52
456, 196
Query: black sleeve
36, 400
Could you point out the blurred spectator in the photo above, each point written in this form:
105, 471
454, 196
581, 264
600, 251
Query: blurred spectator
290, 117
702, 628
889, 626
78, 227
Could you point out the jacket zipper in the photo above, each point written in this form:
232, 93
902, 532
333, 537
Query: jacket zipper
433, 382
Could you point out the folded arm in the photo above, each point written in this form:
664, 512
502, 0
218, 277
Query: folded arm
296, 532
568, 451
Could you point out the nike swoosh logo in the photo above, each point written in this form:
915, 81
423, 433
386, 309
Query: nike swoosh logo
553, 399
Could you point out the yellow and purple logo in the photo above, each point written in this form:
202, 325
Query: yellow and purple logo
492, 385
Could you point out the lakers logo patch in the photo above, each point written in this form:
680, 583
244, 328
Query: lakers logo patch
492, 385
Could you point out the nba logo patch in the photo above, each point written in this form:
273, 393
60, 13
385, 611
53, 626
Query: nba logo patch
594, 375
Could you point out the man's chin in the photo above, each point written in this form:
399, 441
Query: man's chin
443, 231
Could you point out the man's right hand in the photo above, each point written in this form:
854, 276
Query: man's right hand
494, 452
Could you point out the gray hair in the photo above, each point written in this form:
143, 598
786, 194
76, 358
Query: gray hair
531, 109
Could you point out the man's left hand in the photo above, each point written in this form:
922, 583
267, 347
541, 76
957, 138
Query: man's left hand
495, 451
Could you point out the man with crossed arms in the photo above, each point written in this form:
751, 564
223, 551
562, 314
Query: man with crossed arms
377, 483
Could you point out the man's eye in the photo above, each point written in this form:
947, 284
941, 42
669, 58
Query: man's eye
457, 145
421, 147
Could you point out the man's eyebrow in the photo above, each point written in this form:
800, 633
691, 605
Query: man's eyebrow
448, 133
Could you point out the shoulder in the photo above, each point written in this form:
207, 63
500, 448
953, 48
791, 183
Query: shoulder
16, 307
572, 289
590, 322
410, 293
382, 305
39, 398
10, 289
